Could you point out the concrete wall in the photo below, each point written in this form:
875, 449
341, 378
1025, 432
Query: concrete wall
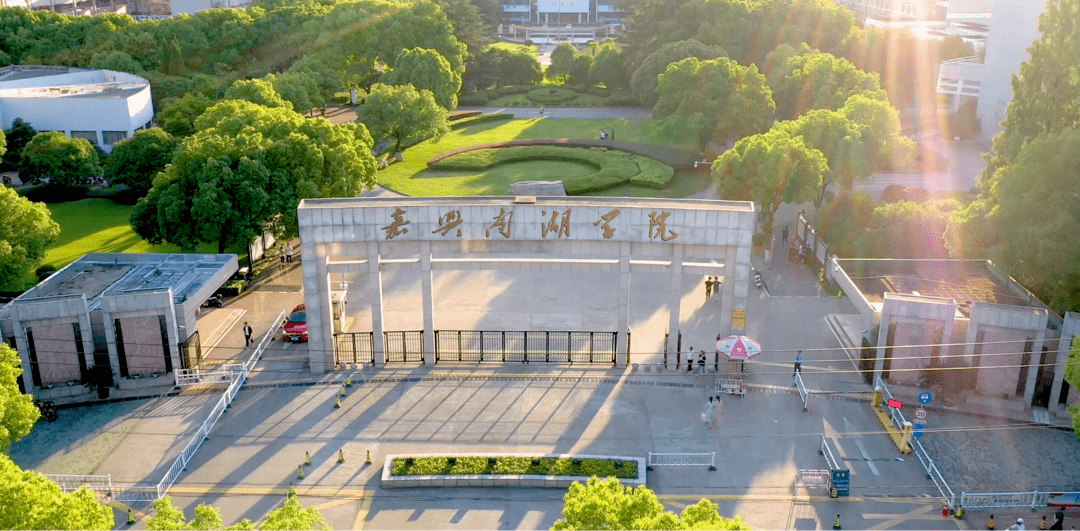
1004, 330
50, 322
138, 315
81, 113
917, 319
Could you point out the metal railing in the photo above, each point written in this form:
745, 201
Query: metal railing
826, 451
682, 459
406, 346
803, 393
237, 374
1031, 499
932, 471
354, 347
525, 346
813, 478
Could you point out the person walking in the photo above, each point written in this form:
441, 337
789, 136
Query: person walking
247, 334
690, 360
288, 253
701, 362
1059, 520
718, 412
990, 523
1042, 524
708, 288
707, 415
784, 235
798, 364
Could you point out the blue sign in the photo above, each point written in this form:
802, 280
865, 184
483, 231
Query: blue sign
924, 398
917, 429
841, 481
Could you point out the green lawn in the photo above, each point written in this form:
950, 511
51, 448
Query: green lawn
412, 177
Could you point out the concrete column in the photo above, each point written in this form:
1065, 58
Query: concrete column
23, 347
319, 312
110, 344
622, 322
428, 302
727, 292
1033, 365
674, 298
1064, 345
882, 341
87, 339
375, 278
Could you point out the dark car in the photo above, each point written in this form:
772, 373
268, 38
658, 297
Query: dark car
296, 325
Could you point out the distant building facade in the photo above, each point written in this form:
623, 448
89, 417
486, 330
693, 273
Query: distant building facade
562, 12
101, 106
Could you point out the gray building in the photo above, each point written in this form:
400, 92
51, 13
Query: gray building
109, 318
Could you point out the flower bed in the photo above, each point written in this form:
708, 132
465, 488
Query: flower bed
524, 470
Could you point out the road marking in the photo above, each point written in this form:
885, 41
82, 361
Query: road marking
862, 450
362, 513
335, 503
893, 521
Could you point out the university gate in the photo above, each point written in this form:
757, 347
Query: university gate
615, 236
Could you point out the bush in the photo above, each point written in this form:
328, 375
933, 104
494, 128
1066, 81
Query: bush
44, 271
544, 466
472, 120
460, 115
48, 193
551, 95
233, 288
654, 174
602, 92
475, 99
492, 93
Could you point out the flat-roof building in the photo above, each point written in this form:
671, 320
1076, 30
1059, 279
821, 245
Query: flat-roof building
129, 313
101, 106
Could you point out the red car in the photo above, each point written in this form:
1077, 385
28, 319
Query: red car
296, 325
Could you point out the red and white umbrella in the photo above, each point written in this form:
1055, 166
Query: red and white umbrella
738, 347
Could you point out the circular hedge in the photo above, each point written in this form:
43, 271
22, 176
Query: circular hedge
551, 95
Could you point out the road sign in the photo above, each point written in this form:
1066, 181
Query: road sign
925, 398
894, 403
920, 414
841, 481
918, 428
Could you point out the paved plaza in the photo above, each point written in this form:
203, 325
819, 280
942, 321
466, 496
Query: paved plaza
251, 457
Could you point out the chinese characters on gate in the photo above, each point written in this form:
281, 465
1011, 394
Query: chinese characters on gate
554, 224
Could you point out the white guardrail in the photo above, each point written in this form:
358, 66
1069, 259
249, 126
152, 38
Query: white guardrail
932, 471
682, 459
237, 374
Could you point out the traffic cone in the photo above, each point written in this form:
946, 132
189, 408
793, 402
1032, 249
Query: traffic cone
836, 524
340, 455
368, 460
343, 391
299, 472
307, 458
348, 382
337, 403
131, 517
292, 491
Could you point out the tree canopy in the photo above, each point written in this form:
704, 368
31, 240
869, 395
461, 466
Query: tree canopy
259, 91
16, 138
169, 517
293, 516
27, 230
28, 500
609, 66
18, 410
713, 100
770, 169
607, 504
55, 158
802, 80
644, 81
245, 171
1072, 375
425, 69
135, 161
403, 113
178, 116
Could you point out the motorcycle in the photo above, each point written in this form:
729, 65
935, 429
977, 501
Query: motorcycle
757, 278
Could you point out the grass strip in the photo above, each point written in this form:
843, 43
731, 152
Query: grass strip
507, 465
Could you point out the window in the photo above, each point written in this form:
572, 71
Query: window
112, 137
86, 135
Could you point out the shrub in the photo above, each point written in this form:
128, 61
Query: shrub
480, 119
654, 174
602, 92
551, 95
44, 271
612, 167
475, 99
233, 288
460, 115
544, 466
492, 93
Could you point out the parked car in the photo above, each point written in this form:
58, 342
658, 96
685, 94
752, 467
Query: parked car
296, 324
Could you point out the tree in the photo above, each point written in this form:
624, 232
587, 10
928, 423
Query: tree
609, 66
1045, 93
887, 146
515, 65
562, 61
713, 100
644, 82
770, 169
840, 140
18, 410
300, 89
814, 80
28, 500
403, 113
178, 116
20, 134
169, 517
1072, 375
28, 229
293, 516
135, 161
427, 70
246, 170
116, 60
59, 160
1037, 212
607, 504
259, 91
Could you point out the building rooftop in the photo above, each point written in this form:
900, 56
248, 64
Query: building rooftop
99, 273
352, 202
35, 81
964, 281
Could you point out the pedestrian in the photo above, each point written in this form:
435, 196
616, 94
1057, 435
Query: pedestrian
1042, 524
701, 362
990, 523
798, 363
288, 252
718, 412
784, 235
708, 288
541, 111
1019, 525
247, 334
690, 360
707, 415
603, 134
1059, 519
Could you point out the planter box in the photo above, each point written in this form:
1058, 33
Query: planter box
501, 480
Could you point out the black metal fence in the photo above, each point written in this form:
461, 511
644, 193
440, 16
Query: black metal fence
524, 347
404, 347
353, 347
